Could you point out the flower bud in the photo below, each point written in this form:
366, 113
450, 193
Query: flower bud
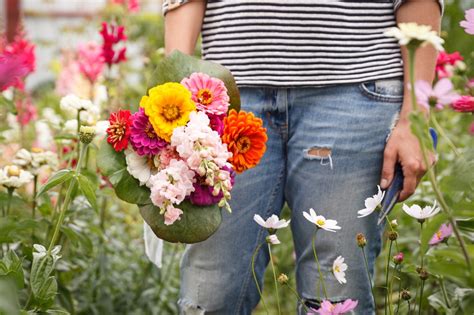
361, 240
398, 258
406, 295
282, 279
423, 274
13, 170
392, 235
273, 239
86, 134
394, 223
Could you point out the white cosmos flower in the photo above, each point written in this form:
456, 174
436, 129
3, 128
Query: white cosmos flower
273, 222
419, 213
12, 176
320, 221
339, 268
273, 239
371, 203
141, 167
406, 32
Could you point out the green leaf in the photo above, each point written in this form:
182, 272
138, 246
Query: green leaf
429, 229
11, 267
87, 189
55, 180
112, 165
77, 238
196, 224
9, 304
177, 66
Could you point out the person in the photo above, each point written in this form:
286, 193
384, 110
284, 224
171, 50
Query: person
329, 86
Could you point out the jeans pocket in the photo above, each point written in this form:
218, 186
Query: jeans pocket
384, 90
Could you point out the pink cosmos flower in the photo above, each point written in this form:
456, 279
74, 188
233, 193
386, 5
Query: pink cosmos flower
468, 24
143, 138
90, 60
327, 308
442, 235
172, 214
209, 94
442, 94
445, 62
112, 35
464, 104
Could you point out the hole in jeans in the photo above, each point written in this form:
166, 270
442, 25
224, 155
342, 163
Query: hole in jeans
322, 154
189, 308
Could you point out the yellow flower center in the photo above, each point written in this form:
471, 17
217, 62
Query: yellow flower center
204, 97
243, 144
13, 170
150, 132
171, 112
117, 131
439, 234
320, 222
337, 269
36, 150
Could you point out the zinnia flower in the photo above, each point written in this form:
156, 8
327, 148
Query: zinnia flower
442, 94
338, 269
209, 94
320, 221
272, 223
202, 195
90, 60
217, 123
167, 107
412, 33
419, 213
464, 104
468, 23
442, 235
245, 138
142, 135
11, 176
119, 129
327, 308
112, 35
372, 203
445, 63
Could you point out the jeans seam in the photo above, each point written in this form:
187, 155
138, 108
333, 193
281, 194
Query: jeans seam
259, 236
379, 97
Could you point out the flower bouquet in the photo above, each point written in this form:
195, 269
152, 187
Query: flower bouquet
177, 156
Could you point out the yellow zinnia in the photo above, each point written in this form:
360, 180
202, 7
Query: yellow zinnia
168, 106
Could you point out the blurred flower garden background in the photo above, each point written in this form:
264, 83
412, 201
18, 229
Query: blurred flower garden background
73, 61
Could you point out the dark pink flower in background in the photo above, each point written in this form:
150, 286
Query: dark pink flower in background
398, 258
468, 23
327, 308
113, 35
17, 60
445, 61
217, 123
438, 96
26, 111
442, 235
464, 104
90, 60
143, 137
132, 5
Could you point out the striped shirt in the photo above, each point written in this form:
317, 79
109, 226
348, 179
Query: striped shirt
283, 43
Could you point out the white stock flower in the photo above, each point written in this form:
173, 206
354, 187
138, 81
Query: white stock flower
419, 213
141, 167
41, 252
272, 223
371, 203
320, 221
89, 112
339, 268
273, 239
407, 32
12, 176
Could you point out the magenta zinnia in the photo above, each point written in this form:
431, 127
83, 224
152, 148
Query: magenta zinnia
143, 137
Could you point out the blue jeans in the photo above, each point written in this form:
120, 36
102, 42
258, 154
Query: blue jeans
324, 151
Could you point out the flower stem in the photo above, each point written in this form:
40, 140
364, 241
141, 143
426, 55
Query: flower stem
35, 190
444, 135
393, 230
274, 278
9, 202
369, 276
298, 297
321, 278
443, 290
387, 271
255, 276
422, 255
421, 295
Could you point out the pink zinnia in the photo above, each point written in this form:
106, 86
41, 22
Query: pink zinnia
442, 235
112, 35
209, 94
468, 24
143, 137
444, 61
464, 104
327, 308
90, 60
442, 94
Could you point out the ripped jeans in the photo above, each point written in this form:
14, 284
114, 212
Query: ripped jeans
324, 151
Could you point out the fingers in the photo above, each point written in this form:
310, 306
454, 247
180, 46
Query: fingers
388, 168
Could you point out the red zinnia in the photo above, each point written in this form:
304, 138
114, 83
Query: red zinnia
119, 129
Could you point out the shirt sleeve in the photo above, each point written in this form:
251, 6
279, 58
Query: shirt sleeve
169, 5
398, 3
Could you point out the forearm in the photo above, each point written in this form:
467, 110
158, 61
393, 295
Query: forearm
424, 12
183, 25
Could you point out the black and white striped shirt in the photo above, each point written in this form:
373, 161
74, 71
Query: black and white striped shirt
301, 42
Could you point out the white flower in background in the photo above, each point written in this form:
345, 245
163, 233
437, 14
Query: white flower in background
89, 112
423, 34
372, 203
12, 134
273, 239
41, 251
419, 213
339, 268
44, 136
12, 176
70, 126
320, 221
141, 167
272, 223
36, 159
51, 118
101, 128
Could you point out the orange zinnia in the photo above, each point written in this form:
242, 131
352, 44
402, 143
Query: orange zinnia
245, 138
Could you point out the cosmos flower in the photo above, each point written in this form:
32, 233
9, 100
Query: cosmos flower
372, 203
338, 269
468, 23
419, 213
442, 235
328, 308
272, 223
440, 95
320, 221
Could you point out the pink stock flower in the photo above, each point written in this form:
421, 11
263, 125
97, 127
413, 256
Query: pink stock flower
209, 94
445, 61
142, 135
464, 104
26, 111
468, 24
172, 214
112, 35
17, 60
442, 94
90, 60
327, 308
442, 235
